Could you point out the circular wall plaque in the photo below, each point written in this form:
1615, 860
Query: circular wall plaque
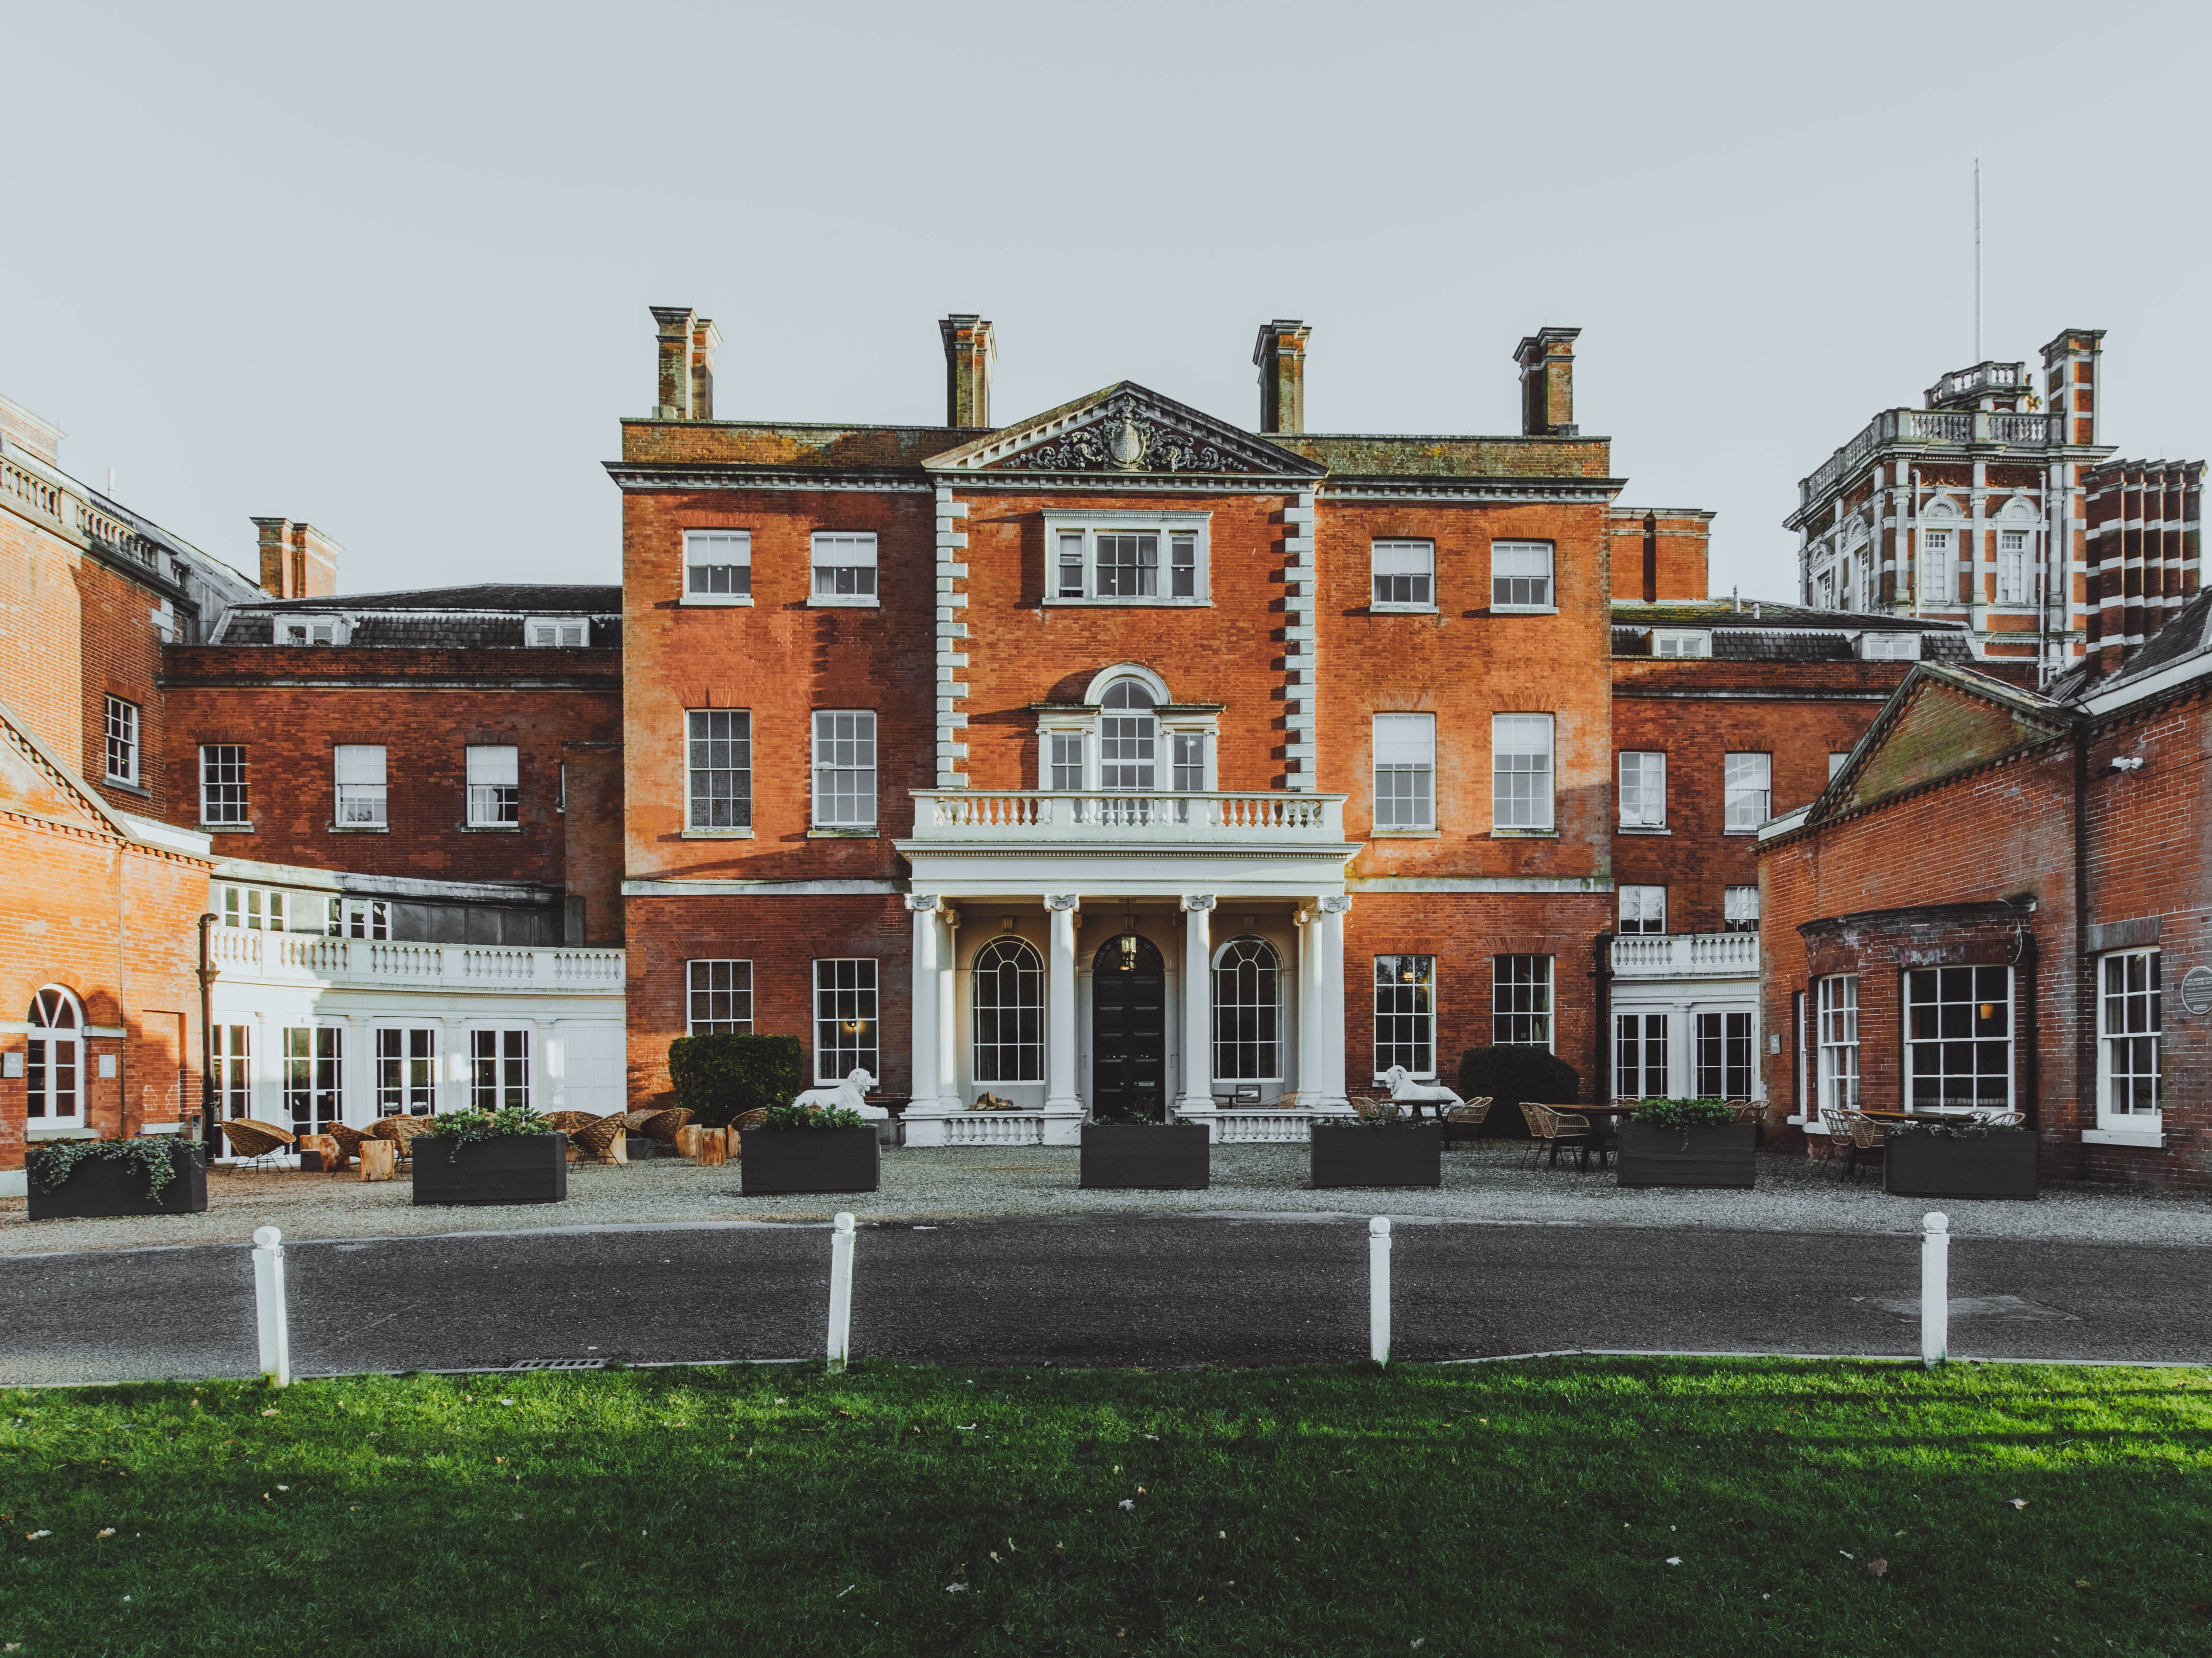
2197, 990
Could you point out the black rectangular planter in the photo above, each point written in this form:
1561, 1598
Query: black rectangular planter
100, 1187
781, 1160
514, 1168
643, 1148
1404, 1154
1705, 1154
1918, 1165
1145, 1157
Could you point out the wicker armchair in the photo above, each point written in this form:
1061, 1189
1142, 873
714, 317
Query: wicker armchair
253, 1140
1464, 1122
401, 1132
349, 1141
662, 1125
568, 1123
1550, 1125
602, 1137
1867, 1135
1837, 1122
1747, 1110
1364, 1105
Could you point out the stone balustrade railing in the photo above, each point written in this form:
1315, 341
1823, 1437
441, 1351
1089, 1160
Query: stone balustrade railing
1019, 815
1685, 955
378, 963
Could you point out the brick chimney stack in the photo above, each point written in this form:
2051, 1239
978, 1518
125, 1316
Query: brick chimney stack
1547, 383
687, 363
2070, 363
1279, 354
970, 350
298, 561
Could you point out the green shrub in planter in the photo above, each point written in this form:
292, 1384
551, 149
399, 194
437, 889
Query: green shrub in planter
1683, 1114
1510, 1074
812, 1116
722, 1077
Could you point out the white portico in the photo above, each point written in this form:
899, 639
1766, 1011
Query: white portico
1144, 955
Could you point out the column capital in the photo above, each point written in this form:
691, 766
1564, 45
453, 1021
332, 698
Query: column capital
1194, 901
921, 903
1337, 904
1062, 901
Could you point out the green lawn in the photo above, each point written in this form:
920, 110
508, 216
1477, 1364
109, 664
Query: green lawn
1579, 1506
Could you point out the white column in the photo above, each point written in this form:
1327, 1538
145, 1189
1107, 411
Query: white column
1333, 911
922, 1045
1197, 1003
1059, 1043
947, 1082
1313, 984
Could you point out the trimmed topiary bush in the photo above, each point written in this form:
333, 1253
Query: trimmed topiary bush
1510, 1074
724, 1077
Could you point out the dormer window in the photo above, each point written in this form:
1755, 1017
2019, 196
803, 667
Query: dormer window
1125, 558
545, 630
1889, 647
310, 630
1681, 642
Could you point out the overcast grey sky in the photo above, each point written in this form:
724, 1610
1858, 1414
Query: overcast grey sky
387, 268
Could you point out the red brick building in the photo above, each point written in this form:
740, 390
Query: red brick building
1999, 902
2000, 505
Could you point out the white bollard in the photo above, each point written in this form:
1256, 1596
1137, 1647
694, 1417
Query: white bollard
269, 1306
841, 1289
1378, 1289
1935, 1288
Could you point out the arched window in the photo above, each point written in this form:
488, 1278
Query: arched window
1939, 546
55, 1064
1009, 1000
2016, 552
1128, 738
1247, 1021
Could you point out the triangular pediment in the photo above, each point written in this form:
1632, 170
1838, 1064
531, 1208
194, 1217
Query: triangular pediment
35, 782
1941, 721
1125, 431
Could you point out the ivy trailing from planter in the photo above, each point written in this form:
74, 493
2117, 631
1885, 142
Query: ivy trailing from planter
812, 1116
52, 1165
469, 1127
1683, 1114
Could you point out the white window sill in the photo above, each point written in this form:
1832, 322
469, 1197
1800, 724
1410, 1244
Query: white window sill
56, 1131
1524, 609
1810, 1124
1644, 828
129, 785
855, 832
224, 828
1747, 832
357, 829
711, 600
745, 834
490, 828
1403, 609
1524, 835
1134, 603
2150, 1139
844, 602
1404, 833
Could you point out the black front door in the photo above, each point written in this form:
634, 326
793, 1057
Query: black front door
1129, 1033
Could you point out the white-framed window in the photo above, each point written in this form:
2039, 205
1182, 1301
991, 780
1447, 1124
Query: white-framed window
1186, 750
1747, 789
407, 1071
1643, 909
844, 768
2016, 552
2130, 1018
1837, 1040
1889, 646
1521, 771
495, 785
1958, 1050
256, 909
1405, 771
845, 1019
222, 784
499, 1070
309, 630
1128, 738
1740, 909
1639, 1056
1007, 993
233, 1070
844, 566
1723, 1056
542, 631
1681, 642
1643, 788
1064, 750
718, 566
1248, 1013
1835, 763
719, 768
359, 918
361, 793
314, 1077
1520, 1000
719, 998
1405, 574
53, 1068
1406, 1014
122, 741
1127, 558
1521, 576
1937, 550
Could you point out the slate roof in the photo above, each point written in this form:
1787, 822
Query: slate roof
2187, 633
1763, 630
487, 616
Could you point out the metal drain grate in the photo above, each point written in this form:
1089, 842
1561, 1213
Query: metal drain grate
558, 1364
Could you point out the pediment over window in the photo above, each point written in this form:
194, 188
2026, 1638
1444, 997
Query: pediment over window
1126, 430
1941, 721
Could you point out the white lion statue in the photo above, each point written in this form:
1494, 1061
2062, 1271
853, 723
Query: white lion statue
1405, 1091
850, 1094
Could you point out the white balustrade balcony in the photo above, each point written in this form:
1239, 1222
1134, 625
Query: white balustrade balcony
309, 958
1686, 955
1019, 817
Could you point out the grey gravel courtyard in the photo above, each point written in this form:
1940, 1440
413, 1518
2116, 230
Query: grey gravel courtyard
1490, 1183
